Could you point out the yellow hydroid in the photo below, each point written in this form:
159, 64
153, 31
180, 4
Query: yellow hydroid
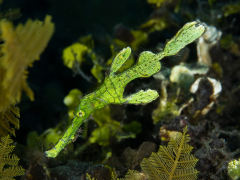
22, 45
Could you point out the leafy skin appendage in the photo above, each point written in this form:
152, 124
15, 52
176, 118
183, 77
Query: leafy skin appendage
111, 91
5, 159
172, 162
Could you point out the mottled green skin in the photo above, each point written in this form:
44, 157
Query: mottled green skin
111, 91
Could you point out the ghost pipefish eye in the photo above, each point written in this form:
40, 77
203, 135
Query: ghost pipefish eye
80, 113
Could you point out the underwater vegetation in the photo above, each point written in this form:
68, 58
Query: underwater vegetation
171, 162
139, 89
17, 53
9, 160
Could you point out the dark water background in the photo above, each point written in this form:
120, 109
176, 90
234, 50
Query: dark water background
49, 79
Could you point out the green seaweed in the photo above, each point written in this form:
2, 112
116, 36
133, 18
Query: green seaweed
111, 91
231, 9
107, 127
233, 169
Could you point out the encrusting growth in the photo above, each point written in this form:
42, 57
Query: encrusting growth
111, 91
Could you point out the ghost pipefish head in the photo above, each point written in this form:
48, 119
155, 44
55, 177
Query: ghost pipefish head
69, 135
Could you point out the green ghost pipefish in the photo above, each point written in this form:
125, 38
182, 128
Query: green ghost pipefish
111, 91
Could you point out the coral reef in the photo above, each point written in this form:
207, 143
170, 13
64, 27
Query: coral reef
95, 44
